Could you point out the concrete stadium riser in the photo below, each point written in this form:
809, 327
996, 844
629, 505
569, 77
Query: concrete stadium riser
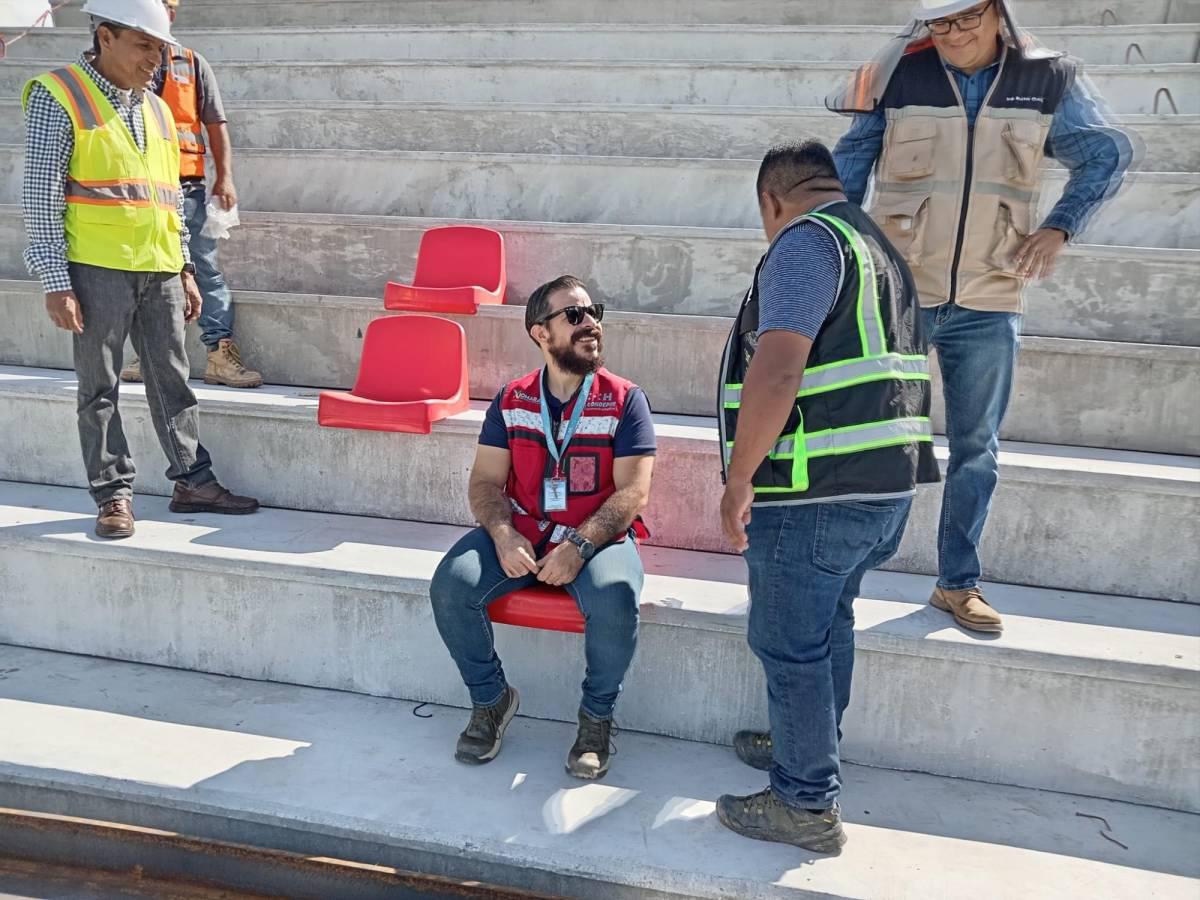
1155, 209
1108, 45
1127, 88
1081, 393
1171, 143
1052, 525
687, 12
1138, 295
341, 602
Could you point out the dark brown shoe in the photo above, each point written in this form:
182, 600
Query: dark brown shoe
115, 519
211, 498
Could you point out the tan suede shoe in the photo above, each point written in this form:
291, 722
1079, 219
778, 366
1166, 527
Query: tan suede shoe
133, 371
969, 609
225, 367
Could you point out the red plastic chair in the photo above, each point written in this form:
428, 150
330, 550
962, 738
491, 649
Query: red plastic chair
549, 608
459, 268
413, 373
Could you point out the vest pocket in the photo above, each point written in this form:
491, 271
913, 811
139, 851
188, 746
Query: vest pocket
910, 151
1011, 230
902, 219
1024, 141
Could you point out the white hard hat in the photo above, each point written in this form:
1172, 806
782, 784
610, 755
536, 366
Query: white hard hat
928, 10
147, 16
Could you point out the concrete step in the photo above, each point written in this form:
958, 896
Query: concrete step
327, 773
341, 602
687, 12
1108, 45
1158, 209
1172, 143
1138, 295
1082, 393
1127, 88
1052, 524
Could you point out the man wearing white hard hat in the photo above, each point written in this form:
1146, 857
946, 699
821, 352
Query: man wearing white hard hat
104, 214
953, 118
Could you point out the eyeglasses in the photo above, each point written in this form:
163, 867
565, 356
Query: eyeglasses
575, 314
969, 22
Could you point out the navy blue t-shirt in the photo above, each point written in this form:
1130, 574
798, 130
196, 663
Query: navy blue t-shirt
635, 431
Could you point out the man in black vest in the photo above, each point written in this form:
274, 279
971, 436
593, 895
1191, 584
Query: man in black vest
825, 424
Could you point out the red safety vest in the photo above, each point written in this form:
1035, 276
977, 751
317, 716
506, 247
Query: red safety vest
181, 92
587, 465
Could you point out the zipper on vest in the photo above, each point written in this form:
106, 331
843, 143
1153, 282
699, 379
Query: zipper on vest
969, 174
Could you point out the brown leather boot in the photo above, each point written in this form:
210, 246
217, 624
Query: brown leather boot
210, 498
115, 519
225, 367
133, 371
969, 609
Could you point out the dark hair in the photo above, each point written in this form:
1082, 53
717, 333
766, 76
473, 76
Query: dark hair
538, 306
111, 26
786, 166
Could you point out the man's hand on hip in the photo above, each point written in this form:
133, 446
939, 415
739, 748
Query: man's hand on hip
515, 553
64, 310
561, 565
1036, 257
191, 297
225, 193
735, 513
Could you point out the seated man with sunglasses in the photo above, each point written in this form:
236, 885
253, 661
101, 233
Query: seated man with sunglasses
560, 476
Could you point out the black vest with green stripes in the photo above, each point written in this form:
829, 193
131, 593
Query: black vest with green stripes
860, 428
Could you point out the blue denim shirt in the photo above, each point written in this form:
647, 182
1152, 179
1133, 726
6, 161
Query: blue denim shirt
1096, 154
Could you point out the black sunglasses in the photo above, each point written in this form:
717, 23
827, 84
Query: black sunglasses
575, 314
968, 22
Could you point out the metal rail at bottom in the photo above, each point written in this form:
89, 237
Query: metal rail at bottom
131, 861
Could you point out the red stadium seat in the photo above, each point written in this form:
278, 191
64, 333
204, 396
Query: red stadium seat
413, 373
459, 267
549, 608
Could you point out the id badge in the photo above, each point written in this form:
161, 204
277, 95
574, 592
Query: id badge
555, 495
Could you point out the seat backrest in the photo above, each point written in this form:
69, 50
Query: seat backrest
412, 358
461, 256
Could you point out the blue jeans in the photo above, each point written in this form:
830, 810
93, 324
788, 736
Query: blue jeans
806, 565
216, 311
607, 590
977, 355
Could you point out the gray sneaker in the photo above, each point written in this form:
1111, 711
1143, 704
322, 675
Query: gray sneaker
755, 749
480, 742
764, 817
589, 756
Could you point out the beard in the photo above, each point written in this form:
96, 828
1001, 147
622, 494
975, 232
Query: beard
571, 360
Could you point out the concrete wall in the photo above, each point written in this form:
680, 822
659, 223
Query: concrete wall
1096, 521
322, 601
1080, 393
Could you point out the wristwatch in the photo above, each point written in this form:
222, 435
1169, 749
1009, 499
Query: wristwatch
585, 547
189, 268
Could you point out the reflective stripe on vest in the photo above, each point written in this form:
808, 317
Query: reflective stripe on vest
876, 363
121, 201
180, 93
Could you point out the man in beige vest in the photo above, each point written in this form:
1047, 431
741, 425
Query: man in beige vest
954, 119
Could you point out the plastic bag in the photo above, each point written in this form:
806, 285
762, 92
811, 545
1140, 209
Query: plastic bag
220, 221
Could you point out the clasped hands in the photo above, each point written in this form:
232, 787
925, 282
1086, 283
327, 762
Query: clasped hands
558, 567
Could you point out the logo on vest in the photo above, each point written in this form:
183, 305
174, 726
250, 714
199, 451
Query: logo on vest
602, 400
1024, 99
525, 398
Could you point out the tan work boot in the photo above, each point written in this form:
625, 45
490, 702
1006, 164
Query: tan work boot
969, 609
133, 371
225, 367
115, 519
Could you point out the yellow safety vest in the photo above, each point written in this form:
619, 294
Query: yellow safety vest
122, 204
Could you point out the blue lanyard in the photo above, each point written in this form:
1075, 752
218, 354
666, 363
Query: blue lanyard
576, 414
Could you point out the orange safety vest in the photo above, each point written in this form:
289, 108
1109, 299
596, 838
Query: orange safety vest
180, 92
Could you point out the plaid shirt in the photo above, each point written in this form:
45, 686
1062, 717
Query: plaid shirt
49, 145
1096, 155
